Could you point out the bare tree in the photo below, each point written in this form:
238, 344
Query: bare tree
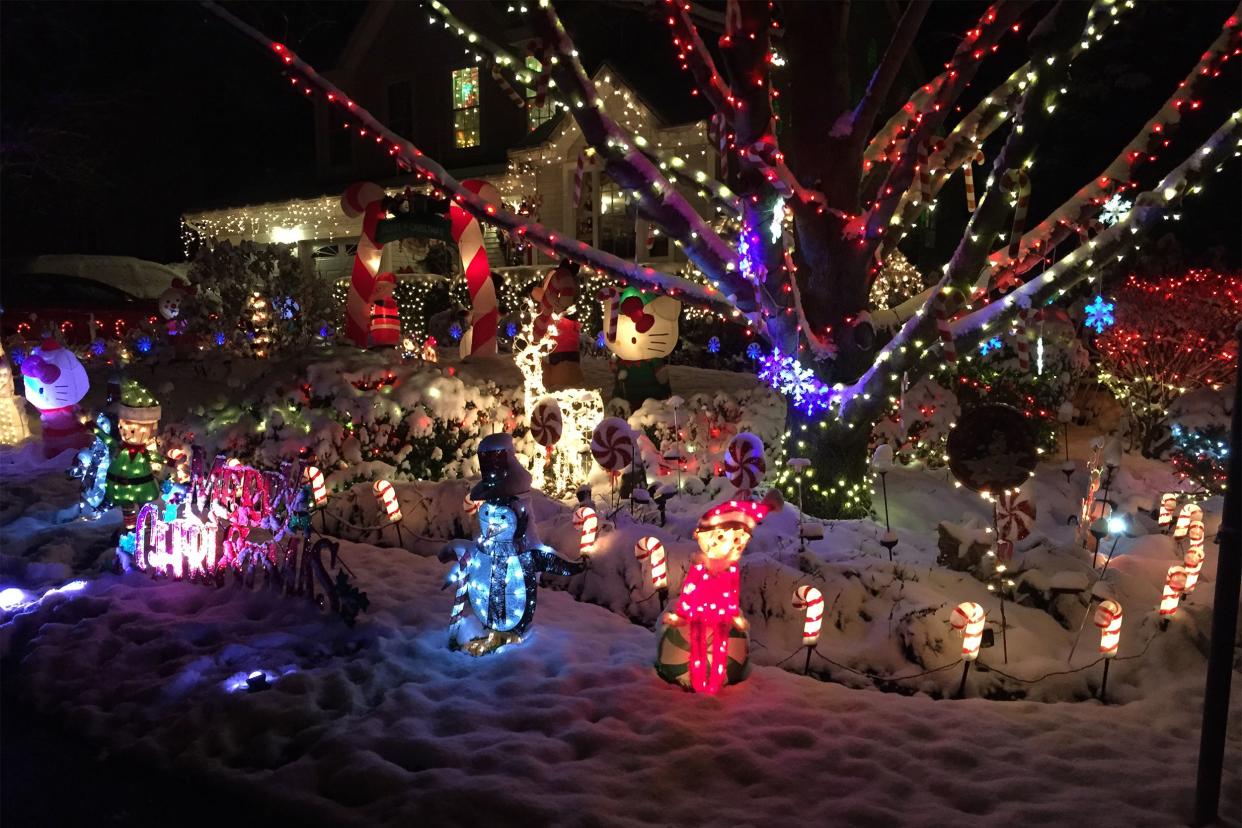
852, 189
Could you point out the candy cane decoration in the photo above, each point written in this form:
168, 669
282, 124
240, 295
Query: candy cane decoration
1193, 561
659, 566
968, 170
461, 597
387, 497
608, 296
645, 546
940, 308
367, 200
1168, 505
500, 79
469, 506
1023, 344
480, 339
1108, 619
1018, 183
968, 619
1174, 586
319, 491
1190, 513
807, 597
744, 463
587, 524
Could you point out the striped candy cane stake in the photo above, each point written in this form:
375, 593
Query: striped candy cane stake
1108, 619
1193, 561
968, 619
645, 546
968, 172
1168, 506
608, 296
319, 491
1019, 183
1190, 513
460, 598
500, 79
940, 308
1023, 342
809, 598
1174, 586
480, 339
387, 497
587, 524
367, 200
659, 566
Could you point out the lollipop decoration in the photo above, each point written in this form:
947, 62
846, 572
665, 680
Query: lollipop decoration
882, 462
744, 464
807, 597
612, 446
586, 521
546, 424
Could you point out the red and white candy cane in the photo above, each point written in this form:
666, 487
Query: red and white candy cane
1023, 342
314, 478
480, 338
546, 423
1018, 182
1174, 586
1193, 562
807, 597
659, 566
469, 506
645, 546
744, 463
387, 496
1168, 506
968, 619
586, 521
608, 297
461, 597
612, 444
940, 309
1108, 619
364, 199
500, 79
1190, 512
968, 173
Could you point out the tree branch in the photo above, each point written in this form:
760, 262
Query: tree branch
890, 65
698, 60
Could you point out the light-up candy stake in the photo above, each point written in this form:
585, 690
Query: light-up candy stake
1190, 512
587, 524
1194, 565
807, 597
1168, 505
387, 496
319, 491
1174, 586
652, 548
968, 619
1108, 619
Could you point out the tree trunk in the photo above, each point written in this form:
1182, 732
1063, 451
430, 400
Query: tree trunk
836, 484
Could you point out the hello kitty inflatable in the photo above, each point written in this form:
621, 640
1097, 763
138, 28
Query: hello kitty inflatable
641, 331
55, 383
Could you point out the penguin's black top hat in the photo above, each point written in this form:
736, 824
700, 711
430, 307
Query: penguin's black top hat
503, 475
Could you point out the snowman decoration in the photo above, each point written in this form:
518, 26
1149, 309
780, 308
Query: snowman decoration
497, 573
170, 303
641, 331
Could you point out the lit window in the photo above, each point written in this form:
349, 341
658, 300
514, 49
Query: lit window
537, 116
466, 107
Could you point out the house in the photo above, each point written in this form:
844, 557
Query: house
424, 84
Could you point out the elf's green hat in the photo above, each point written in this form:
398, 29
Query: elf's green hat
137, 404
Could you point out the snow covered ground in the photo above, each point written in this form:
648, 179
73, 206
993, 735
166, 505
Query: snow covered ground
381, 724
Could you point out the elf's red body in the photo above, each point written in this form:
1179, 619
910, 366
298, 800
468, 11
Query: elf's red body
709, 604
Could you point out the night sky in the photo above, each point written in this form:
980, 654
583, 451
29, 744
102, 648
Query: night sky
117, 117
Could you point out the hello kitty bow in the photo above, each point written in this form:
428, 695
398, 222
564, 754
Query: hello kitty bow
632, 307
36, 367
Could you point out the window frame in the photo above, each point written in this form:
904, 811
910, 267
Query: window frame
477, 108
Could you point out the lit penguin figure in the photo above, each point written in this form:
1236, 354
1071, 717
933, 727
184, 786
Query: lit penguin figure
640, 328
55, 383
497, 574
704, 644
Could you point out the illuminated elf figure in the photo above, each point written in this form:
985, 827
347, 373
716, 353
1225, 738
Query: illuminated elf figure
497, 574
705, 643
640, 328
131, 480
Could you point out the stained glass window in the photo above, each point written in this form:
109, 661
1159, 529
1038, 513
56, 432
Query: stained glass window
466, 107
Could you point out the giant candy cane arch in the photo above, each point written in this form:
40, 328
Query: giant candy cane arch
480, 339
367, 200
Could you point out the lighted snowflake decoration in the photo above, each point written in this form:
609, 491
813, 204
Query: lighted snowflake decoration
511, 329
1115, 209
754, 351
219, 337
143, 344
989, 345
455, 331
98, 347
599, 340
788, 376
713, 345
1100, 315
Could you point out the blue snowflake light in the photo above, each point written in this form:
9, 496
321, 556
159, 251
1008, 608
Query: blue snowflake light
220, 338
143, 344
989, 345
787, 375
753, 351
599, 340
98, 347
1100, 315
325, 331
19, 356
511, 330
713, 345
455, 331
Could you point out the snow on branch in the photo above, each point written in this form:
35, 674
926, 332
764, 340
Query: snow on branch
410, 157
894, 57
695, 57
626, 164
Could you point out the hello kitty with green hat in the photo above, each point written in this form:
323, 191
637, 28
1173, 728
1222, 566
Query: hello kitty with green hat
640, 328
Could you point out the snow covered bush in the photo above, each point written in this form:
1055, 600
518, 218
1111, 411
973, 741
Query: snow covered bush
1172, 334
1198, 437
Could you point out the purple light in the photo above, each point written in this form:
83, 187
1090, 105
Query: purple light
14, 598
788, 376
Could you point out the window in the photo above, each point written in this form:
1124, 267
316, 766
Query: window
616, 219
466, 107
537, 116
401, 108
